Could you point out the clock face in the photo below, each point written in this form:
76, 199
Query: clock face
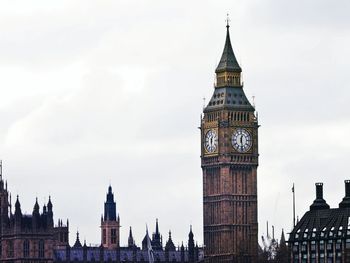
211, 141
241, 140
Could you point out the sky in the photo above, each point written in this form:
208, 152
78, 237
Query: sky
94, 93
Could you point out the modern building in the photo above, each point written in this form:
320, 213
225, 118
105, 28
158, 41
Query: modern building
33, 238
229, 159
323, 233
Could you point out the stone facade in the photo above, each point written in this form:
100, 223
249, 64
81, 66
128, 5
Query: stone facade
29, 238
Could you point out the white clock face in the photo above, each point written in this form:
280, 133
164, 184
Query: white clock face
211, 141
241, 140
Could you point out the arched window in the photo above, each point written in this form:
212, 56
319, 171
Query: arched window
113, 236
10, 249
41, 249
26, 248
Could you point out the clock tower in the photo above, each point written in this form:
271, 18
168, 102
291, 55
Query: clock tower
229, 159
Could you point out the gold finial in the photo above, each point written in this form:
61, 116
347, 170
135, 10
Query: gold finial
228, 20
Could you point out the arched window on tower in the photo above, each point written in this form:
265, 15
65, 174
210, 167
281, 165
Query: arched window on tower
113, 236
26, 248
41, 249
104, 237
10, 249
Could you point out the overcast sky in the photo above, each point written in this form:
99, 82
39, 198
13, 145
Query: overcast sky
99, 92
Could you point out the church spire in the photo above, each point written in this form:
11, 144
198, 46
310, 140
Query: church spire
228, 61
228, 71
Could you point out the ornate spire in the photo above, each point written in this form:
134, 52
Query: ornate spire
18, 207
157, 227
110, 213
0, 170
228, 61
170, 244
77, 242
36, 207
191, 233
131, 241
49, 204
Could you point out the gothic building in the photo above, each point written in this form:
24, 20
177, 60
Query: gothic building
229, 159
33, 238
323, 233
28, 238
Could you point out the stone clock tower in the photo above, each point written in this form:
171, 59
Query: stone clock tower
229, 155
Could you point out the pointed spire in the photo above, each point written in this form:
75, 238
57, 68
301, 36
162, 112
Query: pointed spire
130, 232
77, 241
110, 213
0, 170
228, 61
131, 241
283, 239
36, 207
169, 246
190, 235
157, 227
18, 207
49, 204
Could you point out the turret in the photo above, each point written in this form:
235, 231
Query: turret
182, 252
191, 252
110, 223
36, 215
157, 243
18, 213
144, 241
169, 246
4, 202
49, 213
110, 206
1, 181
77, 243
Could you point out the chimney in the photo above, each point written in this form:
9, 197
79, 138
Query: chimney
319, 202
346, 200
319, 190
